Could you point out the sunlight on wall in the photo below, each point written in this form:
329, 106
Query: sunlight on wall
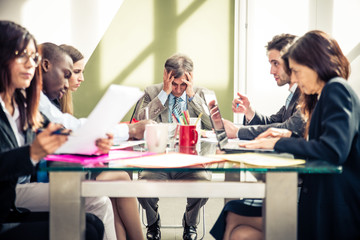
130, 35
143, 34
347, 37
206, 47
348, 40
80, 23
39, 18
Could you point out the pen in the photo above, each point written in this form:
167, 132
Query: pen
147, 113
57, 132
198, 118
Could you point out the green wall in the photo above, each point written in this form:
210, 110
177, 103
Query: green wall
144, 33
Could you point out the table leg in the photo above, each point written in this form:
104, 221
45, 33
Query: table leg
231, 177
67, 213
280, 206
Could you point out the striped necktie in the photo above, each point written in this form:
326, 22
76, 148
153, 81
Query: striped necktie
176, 110
288, 100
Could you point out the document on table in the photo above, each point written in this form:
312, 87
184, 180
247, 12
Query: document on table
170, 160
108, 112
127, 144
262, 159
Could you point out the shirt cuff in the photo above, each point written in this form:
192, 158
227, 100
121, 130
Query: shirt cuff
121, 133
248, 121
163, 97
33, 162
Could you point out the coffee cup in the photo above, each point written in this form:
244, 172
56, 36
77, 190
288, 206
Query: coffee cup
188, 136
156, 137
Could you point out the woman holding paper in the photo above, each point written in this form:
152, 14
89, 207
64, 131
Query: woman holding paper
126, 214
20, 149
329, 203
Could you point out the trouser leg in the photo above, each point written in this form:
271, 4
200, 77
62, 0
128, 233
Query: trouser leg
151, 204
193, 204
35, 197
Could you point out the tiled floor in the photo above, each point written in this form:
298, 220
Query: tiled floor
172, 209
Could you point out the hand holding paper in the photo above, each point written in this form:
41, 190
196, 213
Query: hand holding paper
112, 107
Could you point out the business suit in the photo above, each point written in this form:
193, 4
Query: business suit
329, 205
289, 118
15, 162
160, 113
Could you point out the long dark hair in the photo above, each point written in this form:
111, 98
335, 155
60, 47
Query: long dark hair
321, 53
14, 37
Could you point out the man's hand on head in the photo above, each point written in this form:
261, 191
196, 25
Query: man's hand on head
136, 130
167, 79
189, 82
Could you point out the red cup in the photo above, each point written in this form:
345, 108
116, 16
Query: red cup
188, 136
188, 150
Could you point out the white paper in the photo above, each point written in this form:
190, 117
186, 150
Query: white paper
170, 160
108, 112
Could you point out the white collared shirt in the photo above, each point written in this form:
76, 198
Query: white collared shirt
120, 132
15, 125
14, 121
163, 96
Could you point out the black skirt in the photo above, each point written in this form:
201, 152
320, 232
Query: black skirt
235, 206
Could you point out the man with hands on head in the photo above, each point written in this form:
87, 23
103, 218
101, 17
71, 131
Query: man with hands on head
288, 117
178, 83
176, 93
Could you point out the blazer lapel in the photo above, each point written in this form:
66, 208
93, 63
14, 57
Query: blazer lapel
165, 114
292, 105
5, 126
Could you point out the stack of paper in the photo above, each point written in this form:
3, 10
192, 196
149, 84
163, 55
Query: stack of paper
170, 160
262, 159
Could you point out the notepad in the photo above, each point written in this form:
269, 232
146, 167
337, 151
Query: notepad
108, 112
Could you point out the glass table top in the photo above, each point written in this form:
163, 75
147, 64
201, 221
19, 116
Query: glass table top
205, 148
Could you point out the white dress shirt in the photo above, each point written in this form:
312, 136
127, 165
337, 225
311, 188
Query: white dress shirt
120, 132
14, 121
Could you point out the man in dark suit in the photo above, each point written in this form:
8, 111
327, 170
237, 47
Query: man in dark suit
176, 93
288, 116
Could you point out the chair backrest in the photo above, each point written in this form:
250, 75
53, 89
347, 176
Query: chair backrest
132, 119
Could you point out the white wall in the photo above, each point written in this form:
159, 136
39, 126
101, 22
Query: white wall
80, 23
264, 19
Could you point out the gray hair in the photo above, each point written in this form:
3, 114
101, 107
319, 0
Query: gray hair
179, 64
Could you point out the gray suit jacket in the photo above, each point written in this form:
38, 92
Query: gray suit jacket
289, 118
160, 113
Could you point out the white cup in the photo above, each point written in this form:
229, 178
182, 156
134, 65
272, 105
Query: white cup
156, 137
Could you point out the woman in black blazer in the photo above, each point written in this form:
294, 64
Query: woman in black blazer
20, 149
329, 204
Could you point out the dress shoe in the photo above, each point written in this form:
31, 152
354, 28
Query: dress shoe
189, 231
153, 231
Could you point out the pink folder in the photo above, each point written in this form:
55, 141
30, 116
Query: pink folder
113, 155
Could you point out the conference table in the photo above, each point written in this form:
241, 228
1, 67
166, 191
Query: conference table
69, 186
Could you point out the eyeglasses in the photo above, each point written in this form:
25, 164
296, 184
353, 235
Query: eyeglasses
24, 56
